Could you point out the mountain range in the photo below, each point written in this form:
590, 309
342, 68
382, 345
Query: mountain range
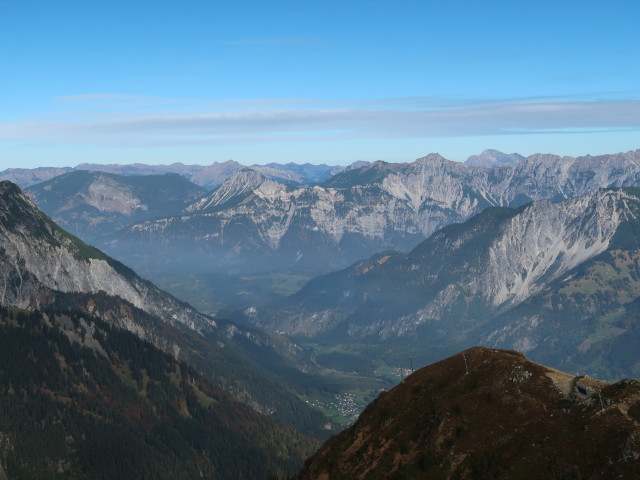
211, 176
257, 226
558, 280
205, 176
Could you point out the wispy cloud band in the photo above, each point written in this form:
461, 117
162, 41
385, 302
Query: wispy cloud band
390, 118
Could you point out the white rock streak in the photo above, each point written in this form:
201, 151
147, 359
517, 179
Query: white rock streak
550, 239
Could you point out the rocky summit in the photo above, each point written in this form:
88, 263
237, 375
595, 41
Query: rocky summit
494, 158
490, 414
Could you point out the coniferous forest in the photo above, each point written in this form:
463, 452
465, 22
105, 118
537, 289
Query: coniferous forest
82, 400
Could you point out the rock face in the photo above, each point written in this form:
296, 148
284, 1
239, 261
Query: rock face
38, 255
253, 213
506, 418
557, 280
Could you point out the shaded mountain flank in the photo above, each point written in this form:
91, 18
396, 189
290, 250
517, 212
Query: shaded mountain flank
489, 414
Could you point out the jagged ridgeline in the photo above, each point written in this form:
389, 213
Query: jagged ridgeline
490, 414
43, 266
206, 176
558, 280
82, 400
364, 210
264, 231
263, 236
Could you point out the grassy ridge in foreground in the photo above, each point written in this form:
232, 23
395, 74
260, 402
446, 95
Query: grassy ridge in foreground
507, 418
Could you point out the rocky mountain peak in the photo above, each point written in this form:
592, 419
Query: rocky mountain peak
435, 158
249, 177
545, 158
235, 188
10, 191
494, 158
357, 164
15, 205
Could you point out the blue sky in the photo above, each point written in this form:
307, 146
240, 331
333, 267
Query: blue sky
321, 82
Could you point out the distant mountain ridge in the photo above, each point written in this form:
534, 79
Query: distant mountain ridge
91, 204
211, 176
205, 176
25, 177
236, 242
494, 158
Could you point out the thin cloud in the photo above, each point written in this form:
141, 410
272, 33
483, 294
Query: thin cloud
421, 117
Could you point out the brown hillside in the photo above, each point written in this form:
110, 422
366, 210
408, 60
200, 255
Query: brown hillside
507, 418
